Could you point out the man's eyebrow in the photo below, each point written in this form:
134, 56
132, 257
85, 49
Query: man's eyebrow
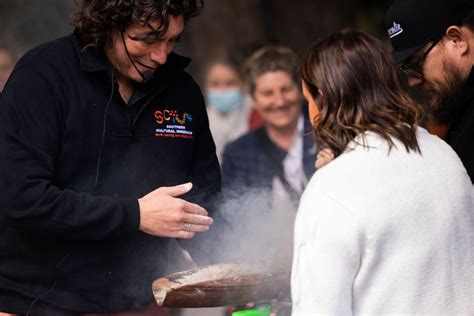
157, 32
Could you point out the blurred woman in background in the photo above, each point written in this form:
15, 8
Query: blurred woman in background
228, 106
278, 156
386, 227
266, 169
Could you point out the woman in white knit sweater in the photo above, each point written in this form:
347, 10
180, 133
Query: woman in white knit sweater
388, 226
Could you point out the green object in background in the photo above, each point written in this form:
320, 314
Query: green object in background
263, 310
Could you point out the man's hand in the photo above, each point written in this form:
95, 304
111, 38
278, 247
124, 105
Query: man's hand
163, 214
324, 157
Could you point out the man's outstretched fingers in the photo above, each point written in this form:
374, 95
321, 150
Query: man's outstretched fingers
197, 219
195, 228
194, 208
176, 190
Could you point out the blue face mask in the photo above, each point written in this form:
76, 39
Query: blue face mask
224, 101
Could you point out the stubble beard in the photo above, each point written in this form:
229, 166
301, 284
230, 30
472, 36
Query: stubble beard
443, 98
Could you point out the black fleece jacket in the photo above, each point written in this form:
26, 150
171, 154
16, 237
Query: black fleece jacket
74, 159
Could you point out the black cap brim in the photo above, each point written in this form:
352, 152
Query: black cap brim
401, 56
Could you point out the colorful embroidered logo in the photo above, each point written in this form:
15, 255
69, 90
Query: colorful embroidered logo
172, 124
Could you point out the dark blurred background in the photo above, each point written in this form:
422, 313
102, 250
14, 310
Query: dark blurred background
235, 26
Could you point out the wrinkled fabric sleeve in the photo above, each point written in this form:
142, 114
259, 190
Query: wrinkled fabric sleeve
32, 122
326, 257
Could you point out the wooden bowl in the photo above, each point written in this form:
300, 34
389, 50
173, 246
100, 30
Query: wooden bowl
222, 284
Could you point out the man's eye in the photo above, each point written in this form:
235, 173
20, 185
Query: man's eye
149, 40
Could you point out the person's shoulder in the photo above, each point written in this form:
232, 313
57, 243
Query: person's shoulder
48, 53
438, 154
247, 142
326, 195
354, 169
48, 64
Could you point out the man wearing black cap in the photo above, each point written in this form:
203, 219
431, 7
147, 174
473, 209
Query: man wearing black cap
433, 42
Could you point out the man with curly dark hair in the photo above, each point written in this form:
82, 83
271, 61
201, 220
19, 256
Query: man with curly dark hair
106, 154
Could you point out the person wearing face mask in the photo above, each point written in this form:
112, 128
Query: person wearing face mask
228, 106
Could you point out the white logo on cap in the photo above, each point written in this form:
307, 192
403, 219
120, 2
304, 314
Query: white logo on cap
395, 30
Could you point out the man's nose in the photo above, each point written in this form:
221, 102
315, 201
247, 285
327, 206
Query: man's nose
159, 54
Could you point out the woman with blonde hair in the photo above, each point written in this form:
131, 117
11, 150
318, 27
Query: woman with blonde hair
386, 227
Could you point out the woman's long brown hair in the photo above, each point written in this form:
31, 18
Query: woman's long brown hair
354, 82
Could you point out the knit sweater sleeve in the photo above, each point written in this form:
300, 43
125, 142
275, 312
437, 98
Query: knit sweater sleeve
326, 257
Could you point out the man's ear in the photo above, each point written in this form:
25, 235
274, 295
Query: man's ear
457, 40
